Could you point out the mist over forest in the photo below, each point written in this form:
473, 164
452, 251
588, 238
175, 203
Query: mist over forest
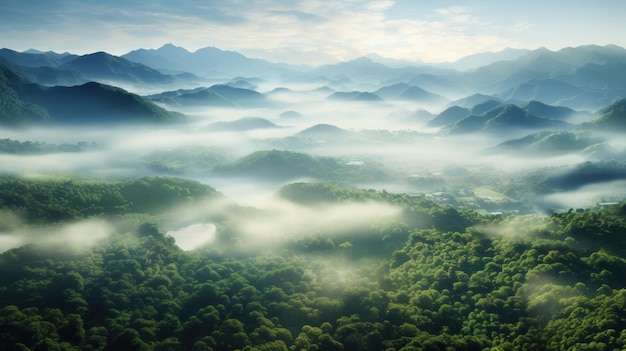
174, 200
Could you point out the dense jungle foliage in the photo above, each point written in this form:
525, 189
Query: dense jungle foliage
435, 278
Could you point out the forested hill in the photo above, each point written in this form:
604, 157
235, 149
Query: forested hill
26, 103
518, 283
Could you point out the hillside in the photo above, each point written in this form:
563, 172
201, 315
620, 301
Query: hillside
242, 124
216, 95
612, 117
504, 118
280, 166
548, 143
107, 68
354, 96
91, 103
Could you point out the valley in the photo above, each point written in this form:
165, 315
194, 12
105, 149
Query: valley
174, 200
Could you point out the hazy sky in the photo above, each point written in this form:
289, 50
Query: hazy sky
312, 31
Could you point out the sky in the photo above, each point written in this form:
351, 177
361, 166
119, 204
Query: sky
312, 32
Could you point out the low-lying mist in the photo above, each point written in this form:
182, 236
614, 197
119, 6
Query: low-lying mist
393, 136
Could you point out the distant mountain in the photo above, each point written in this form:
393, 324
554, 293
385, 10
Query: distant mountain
35, 59
406, 92
39, 68
611, 118
242, 124
290, 114
473, 100
485, 58
393, 63
491, 108
104, 67
193, 97
540, 109
548, 143
186, 159
556, 92
323, 130
216, 95
450, 115
503, 119
363, 69
581, 77
354, 96
206, 62
484, 107
24, 102
280, 166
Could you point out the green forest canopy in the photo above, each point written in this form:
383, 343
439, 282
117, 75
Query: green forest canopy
451, 280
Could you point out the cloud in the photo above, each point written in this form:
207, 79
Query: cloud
316, 31
69, 236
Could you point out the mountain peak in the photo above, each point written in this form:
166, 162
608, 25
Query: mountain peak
171, 48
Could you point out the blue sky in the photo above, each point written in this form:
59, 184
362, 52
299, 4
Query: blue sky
312, 31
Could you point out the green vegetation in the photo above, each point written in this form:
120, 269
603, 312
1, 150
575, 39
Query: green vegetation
9, 146
434, 279
281, 165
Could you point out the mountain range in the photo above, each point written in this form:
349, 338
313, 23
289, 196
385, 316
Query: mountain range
49, 68
219, 95
25, 102
582, 78
206, 62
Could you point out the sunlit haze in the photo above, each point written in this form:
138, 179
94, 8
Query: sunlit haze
312, 32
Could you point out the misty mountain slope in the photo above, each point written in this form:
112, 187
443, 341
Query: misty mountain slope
540, 109
95, 103
547, 143
503, 119
34, 60
13, 109
604, 151
52, 76
242, 124
354, 96
279, 166
215, 95
43, 71
485, 107
594, 70
104, 67
406, 92
583, 174
323, 130
193, 97
556, 92
361, 69
450, 115
186, 160
611, 118
473, 100
8, 146
482, 59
